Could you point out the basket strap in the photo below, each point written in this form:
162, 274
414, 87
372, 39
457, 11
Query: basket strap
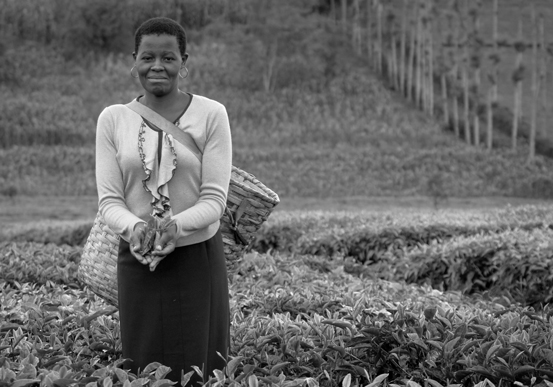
159, 122
238, 237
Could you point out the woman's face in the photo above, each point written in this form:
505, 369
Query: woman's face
158, 62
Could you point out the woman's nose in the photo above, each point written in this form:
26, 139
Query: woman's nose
157, 65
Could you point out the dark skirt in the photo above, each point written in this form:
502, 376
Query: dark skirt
177, 315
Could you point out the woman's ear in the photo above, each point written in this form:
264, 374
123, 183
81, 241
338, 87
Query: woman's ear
134, 55
184, 59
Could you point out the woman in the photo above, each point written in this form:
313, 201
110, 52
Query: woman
173, 299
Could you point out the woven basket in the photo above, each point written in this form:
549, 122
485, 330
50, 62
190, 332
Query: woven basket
249, 204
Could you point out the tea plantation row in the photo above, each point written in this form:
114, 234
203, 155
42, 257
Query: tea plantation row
506, 252
309, 319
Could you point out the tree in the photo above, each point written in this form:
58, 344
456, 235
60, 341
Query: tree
278, 32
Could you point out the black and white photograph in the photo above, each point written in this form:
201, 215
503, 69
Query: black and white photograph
276, 193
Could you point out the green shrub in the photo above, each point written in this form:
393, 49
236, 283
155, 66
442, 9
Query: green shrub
39, 263
516, 264
369, 238
59, 233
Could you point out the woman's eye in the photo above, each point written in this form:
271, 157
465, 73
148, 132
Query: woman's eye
169, 59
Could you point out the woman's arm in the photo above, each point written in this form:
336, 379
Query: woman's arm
216, 170
109, 180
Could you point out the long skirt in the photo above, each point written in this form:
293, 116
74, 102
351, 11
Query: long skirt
177, 315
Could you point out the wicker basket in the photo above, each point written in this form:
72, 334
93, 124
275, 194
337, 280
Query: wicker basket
249, 204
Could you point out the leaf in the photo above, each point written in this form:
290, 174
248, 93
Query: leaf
521, 347
450, 345
64, 382
53, 361
346, 382
161, 372
468, 345
493, 349
198, 371
523, 370
278, 367
252, 381
185, 378
121, 375
163, 383
461, 330
311, 382
220, 376
337, 348
140, 382
430, 312
481, 371
29, 370
433, 383
25, 382
338, 323
378, 380
435, 344
232, 365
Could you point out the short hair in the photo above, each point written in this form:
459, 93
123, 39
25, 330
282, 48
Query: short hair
161, 26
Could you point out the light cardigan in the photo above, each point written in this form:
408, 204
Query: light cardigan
197, 191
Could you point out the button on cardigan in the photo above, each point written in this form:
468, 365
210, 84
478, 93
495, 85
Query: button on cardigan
197, 191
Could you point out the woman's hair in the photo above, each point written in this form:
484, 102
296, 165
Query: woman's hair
161, 26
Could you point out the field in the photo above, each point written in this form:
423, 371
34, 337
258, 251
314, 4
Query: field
440, 298
398, 256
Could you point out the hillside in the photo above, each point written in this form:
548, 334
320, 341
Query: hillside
326, 126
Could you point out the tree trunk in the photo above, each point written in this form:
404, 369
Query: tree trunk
394, 64
457, 58
356, 33
466, 92
268, 76
517, 78
543, 77
477, 71
535, 87
380, 44
411, 87
418, 77
344, 15
430, 69
445, 104
492, 98
402, 47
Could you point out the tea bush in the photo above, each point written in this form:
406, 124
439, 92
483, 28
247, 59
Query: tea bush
38, 263
291, 326
513, 263
367, 237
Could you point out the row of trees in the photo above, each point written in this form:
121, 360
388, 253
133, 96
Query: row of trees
60, 59
269, 36
437, 54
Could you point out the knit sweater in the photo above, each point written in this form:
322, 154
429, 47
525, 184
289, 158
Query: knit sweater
197, 190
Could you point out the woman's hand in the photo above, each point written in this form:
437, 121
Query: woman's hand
164, 246
137, 237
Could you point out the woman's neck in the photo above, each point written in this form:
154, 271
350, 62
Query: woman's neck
165, 102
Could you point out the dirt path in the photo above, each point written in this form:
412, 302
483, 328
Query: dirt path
29, 209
